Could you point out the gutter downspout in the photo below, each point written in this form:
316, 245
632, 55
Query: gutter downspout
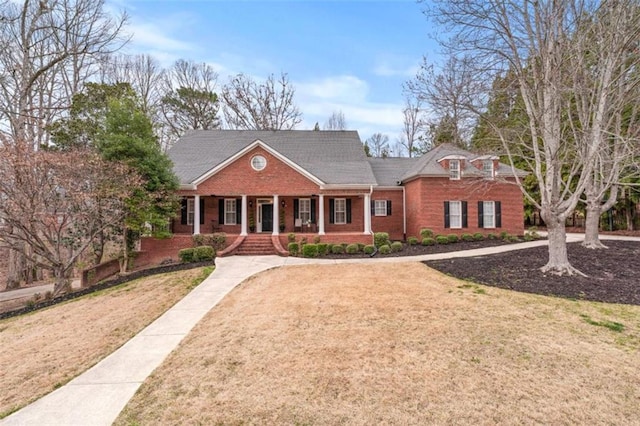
404, 213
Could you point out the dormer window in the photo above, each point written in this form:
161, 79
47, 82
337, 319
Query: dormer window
454, 169
487, 169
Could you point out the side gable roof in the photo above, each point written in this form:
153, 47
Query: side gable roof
332, 157
389, 171
429, 165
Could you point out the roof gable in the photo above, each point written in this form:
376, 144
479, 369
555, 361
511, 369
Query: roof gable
327, 157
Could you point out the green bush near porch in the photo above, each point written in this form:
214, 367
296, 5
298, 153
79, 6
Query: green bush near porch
294, 249
310, 250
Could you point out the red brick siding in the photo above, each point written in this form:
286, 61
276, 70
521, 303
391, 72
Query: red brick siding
155, 250
348, 238
393, 224
426, 197
239, 178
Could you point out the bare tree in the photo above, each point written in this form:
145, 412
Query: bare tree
55, 203
336, 121
44, 48
378, 145
190, 100
260, 106
450, 93
412, 125
543, 43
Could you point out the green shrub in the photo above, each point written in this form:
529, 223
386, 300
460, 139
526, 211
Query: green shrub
203, 253
478, 236
330, 247
453, 238
380, 239
352, 249
426, 233
337, 249
429, 241
513, 239
322, 249
344, 245
361, 246
291, 237
441, 239
186, 255
412, 241
316, 239
466, 237
198, 240
294, 249
384, 249
528, 237
217, 240
369, 249
504, 235
310, 250
396, 246
492, 236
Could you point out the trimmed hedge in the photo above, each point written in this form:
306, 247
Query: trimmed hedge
369, 249
453, 238
412, 241
381, 239
294, 249
337, 249
478, 236
352, 249
396, 246
310, 250
441, 239
322, 249
428, 241
467, 237
384, 249
426, 233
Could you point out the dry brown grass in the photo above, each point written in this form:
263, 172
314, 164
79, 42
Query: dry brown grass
395, 344
46, 349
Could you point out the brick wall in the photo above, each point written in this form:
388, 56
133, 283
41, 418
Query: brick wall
393, 224
155, 250
426, 197
92, 275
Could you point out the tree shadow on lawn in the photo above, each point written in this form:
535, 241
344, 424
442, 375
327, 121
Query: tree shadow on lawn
613, 274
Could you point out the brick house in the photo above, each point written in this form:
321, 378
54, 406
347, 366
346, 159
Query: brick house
259, 186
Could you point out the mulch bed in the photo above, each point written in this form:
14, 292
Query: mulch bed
613, 274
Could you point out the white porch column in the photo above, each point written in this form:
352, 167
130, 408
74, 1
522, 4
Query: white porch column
367, 214
196, 215
243, 230
276, 215
321, 215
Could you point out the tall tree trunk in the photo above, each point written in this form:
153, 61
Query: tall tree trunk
558, 263
592, 227
15, 267
62, 284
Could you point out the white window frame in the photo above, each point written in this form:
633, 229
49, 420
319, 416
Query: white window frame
380, 207
489, 220
191, 204
454, 171
304, 210
455, 217
340, 211
230, 211
258, 163
487, 169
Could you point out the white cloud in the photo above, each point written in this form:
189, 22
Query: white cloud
343, 87
384, 69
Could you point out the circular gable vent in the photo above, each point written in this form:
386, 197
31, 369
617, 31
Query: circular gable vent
258, 162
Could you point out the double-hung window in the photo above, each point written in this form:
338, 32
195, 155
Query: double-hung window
487, 169
304, 210
191, 203
454, 169
488, 214
230, 211
455, 214
380, 208
340, 211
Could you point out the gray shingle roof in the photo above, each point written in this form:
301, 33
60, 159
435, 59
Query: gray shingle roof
334, 157
388, 171
428, 164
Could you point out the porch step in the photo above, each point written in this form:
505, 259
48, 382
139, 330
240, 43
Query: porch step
256, 245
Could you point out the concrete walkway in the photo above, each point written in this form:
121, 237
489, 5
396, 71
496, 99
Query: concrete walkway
97, 396
31, 291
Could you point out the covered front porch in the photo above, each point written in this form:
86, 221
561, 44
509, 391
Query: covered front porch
312, 214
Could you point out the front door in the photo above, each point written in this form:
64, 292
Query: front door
267, 217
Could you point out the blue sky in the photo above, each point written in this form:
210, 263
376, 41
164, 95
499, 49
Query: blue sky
340, 55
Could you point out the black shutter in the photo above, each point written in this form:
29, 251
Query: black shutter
348, 210
296, 209
480, 214
221, 211
388, 207
183, 211
313, 210
464, 214
238, 211
446, 214
498, 211
373, 208
332, 210
201, 211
